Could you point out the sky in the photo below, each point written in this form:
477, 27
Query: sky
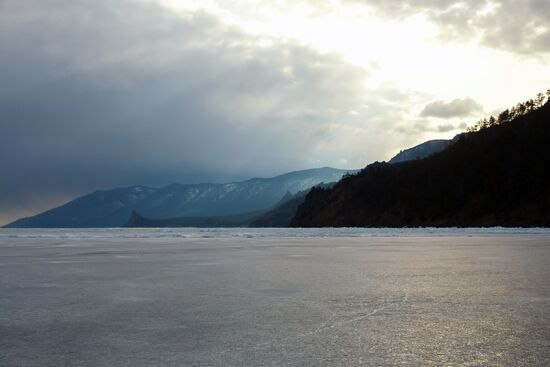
97, 94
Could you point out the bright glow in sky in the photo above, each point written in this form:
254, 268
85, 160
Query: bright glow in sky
409, 52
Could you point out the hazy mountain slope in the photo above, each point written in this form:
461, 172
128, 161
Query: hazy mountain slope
278, 216
112, 208
497, 176
281, 215
421, 151
98, 209
231, 198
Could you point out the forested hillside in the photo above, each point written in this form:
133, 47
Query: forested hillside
498, 174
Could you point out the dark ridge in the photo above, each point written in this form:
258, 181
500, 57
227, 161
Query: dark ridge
498, 176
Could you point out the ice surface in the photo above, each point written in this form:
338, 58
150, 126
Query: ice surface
158, 233
277, 297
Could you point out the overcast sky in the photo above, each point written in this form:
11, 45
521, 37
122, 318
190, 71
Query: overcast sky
101, 93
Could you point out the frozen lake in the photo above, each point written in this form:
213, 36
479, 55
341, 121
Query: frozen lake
267, 297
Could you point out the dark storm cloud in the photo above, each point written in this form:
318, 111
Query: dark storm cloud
100, 93
521, 26
455, 108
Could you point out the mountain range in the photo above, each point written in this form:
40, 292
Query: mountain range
282, 213
258, 202
279, 215
113, 208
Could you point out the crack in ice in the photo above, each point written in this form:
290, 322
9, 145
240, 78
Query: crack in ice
330, 325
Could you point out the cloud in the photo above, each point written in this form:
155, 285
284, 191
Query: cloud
100, 94
446, 128
519, 26
455, 108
